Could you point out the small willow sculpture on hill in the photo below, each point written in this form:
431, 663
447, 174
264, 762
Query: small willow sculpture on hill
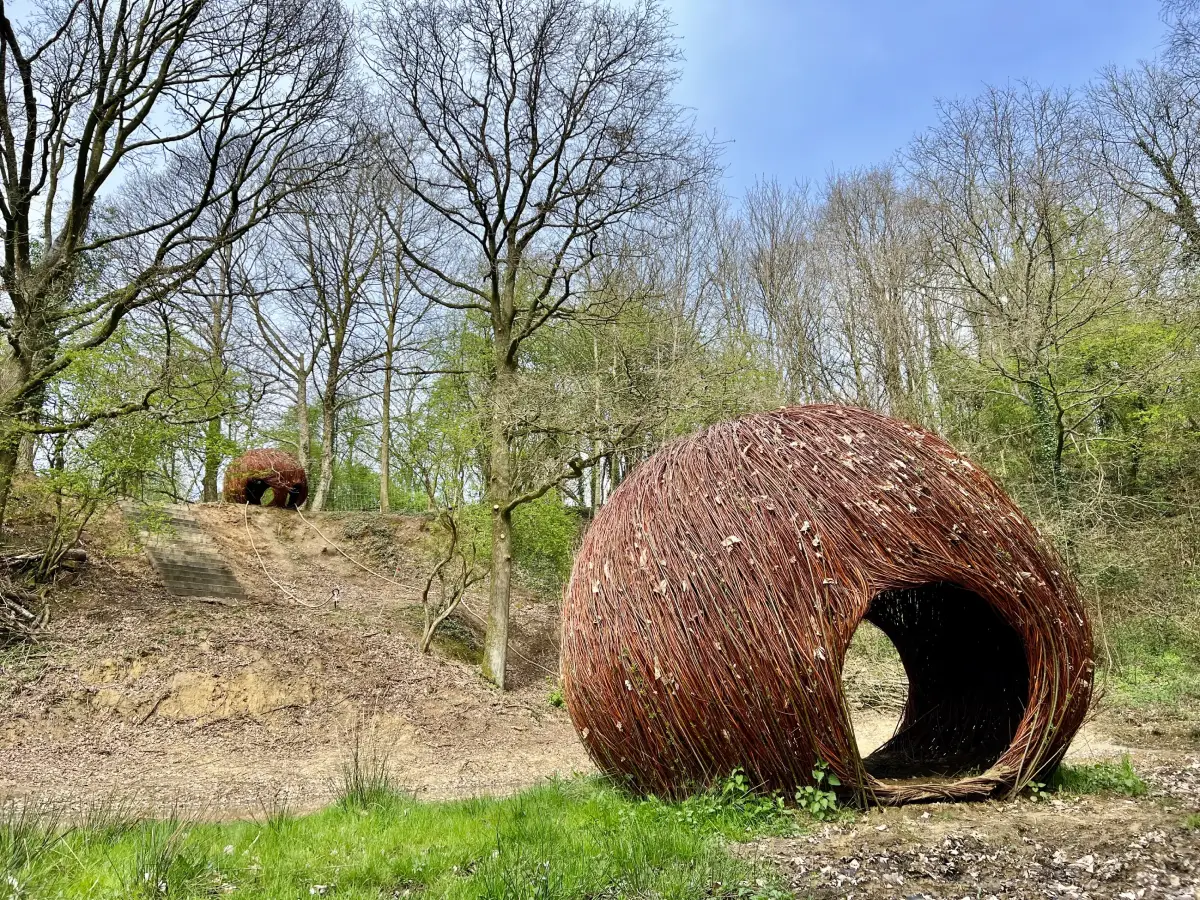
714, 597
266, 478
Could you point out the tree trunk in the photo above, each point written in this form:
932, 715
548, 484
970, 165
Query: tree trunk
8, 467
495, 644
303, 432
325, 485
212, 460
385, 447
26, 454
499, 495
14, 374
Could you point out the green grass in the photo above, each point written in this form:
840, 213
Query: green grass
1156, 662
1167, 678
570, 839
1099, 778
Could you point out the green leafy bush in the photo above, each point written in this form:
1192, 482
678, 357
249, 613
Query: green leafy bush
545, 533
817, 799
1099, 778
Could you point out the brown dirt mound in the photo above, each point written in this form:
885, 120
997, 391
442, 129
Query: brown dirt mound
222, 708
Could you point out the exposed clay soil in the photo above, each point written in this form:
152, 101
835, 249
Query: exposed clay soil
230, 710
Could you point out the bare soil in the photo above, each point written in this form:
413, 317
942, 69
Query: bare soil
225, 710
1089, 847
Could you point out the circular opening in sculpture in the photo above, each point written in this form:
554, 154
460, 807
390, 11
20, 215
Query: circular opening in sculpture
968, 682
875, 687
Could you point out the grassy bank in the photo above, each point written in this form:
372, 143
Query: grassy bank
580, 838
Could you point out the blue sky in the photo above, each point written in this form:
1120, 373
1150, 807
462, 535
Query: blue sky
805, 87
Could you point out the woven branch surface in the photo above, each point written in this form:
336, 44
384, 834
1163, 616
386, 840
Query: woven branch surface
715, 595
266, 477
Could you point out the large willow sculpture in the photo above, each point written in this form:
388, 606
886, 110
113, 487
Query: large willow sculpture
715, 595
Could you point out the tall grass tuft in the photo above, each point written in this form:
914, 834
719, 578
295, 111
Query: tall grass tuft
28, 833
275, 811
365, 780
162, 864
105, 820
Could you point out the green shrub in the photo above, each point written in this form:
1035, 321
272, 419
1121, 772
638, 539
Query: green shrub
544, 536
1156, 662
1099, 778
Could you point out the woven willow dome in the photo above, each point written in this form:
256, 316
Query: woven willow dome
266, 478
714, 598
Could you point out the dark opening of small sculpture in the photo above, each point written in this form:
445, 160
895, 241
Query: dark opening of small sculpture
715, 595
266, 478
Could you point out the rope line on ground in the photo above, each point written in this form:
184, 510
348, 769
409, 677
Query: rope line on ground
287, 593
362, 566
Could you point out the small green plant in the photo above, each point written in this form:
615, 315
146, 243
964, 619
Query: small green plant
734, 809
1099, 778
818, 799
1037, 791
27, 834
1192, 822
366, 781
162, 864
555, 698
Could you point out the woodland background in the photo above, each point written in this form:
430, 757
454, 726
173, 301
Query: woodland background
468, 258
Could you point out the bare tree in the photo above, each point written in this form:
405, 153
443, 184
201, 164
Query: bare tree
213, 307
289, 336
334, 239
400, 313
1029, 251
455, 572
870, 232
534, 135
123, 126
784, 281
1147, 137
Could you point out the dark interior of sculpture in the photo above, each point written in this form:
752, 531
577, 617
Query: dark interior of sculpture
968, 682
259, 493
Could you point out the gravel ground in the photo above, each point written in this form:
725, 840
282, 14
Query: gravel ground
1089, 847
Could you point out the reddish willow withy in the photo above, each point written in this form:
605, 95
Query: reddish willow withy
267, 478
715, 595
